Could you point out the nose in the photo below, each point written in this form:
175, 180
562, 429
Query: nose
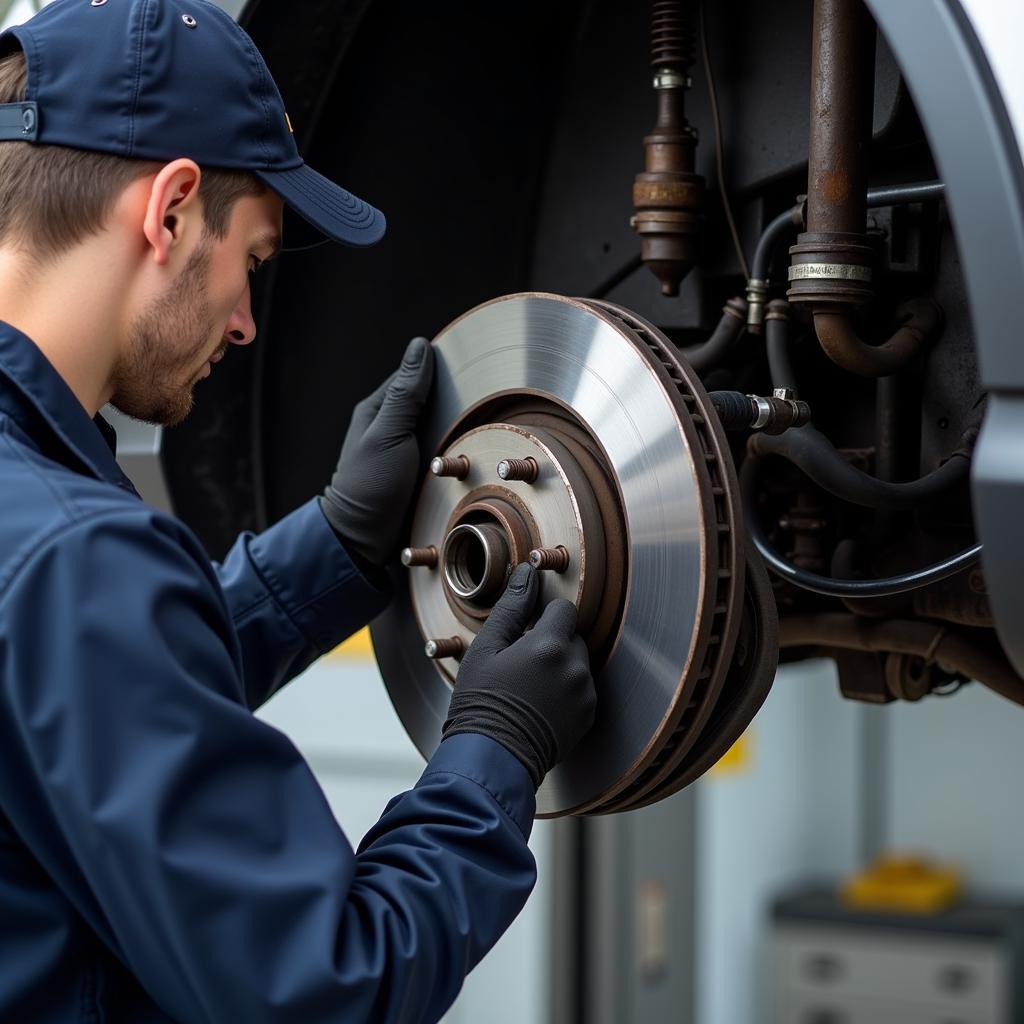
241, 328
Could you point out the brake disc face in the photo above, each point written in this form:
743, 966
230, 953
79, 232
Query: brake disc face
570, 430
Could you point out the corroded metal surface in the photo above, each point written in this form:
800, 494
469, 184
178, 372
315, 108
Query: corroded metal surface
832, 258
668, 195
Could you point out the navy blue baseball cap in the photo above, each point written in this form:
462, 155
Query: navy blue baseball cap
162, 79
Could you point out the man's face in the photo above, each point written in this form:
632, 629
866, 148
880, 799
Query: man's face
176, 341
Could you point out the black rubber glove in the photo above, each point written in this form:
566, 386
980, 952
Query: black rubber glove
531, 693
368, 497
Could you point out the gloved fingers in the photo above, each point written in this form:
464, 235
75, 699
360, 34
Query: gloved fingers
558, 620
366, 411
580, 649
511, 615
408, 389
586, 680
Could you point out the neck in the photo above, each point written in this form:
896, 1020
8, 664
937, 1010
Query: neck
70, 308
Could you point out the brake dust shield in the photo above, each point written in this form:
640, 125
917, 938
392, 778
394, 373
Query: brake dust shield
572, 430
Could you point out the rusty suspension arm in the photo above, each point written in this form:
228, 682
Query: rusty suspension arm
929, 641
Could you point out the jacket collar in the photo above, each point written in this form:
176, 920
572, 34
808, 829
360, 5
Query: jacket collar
28, 381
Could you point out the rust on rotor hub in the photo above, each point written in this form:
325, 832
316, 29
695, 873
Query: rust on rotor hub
502, 517
605, 542
500, 508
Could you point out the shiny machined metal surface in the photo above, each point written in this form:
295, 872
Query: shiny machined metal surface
582, 359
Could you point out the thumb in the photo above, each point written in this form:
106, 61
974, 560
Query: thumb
511, 615
366, 411
408, 389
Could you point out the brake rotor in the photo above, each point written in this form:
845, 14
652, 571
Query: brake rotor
570, 430
747, 685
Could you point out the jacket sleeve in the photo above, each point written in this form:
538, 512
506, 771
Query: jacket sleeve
294, 594
193, 838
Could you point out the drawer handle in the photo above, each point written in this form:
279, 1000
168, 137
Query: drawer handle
823, 967
825, 1017
956, 978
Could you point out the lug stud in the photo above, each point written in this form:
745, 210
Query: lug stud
525, 470
449, 647
553, 559
420, 556
457, 466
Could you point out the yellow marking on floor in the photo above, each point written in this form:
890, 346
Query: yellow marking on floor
356, 646
737, 759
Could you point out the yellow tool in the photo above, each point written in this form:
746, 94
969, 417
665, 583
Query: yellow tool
909, 884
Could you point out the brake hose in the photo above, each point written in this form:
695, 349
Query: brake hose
826, 584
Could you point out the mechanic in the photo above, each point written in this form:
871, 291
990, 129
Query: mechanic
165, 855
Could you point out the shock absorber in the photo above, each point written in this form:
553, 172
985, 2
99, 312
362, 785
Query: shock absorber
667, 194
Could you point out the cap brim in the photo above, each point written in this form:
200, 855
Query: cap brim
327, 211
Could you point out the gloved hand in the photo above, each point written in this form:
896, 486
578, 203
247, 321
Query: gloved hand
369, 494
531, 693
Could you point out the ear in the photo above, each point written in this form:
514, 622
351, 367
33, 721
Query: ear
173, 203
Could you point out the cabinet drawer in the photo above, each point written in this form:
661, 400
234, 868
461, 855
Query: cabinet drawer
803, 1008
954, 973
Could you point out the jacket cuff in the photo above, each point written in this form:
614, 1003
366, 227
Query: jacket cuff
336, 599
376, 576
487, 763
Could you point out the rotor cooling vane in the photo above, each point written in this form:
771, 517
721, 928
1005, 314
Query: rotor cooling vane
569, 433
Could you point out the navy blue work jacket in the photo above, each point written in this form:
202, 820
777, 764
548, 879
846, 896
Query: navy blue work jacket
165, 855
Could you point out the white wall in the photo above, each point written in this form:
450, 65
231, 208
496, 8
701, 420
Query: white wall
791, 814
18, 11
953, 770
956, 778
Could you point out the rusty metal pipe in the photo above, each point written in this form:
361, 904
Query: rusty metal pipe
921, 322
832, 258
842, 95
926, 640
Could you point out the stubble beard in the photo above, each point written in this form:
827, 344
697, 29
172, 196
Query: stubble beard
153, 381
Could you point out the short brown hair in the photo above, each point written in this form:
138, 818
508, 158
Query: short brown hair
52, 197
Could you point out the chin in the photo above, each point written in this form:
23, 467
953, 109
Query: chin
162, 412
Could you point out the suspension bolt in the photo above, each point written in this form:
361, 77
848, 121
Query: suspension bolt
525, 470
457, 466
450, 647
420, 556
554, 559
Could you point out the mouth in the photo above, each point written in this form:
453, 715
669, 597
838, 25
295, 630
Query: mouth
213, 360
